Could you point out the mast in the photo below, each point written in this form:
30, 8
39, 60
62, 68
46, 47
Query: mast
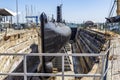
26, 9
59, 13
118, 7
17, 12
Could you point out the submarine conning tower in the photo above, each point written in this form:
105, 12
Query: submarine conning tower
59, 13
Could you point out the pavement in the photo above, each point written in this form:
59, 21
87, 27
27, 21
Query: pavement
114, 60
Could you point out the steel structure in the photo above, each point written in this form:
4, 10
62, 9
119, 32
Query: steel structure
35, 17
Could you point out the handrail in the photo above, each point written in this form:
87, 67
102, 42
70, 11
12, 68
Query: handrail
25, 73
108, 49
51, 74
52, 54
104, 71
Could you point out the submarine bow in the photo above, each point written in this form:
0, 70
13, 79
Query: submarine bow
55, 35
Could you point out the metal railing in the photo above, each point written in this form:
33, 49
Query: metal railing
26, 74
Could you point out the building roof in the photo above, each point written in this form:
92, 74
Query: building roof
89, 23
6, 12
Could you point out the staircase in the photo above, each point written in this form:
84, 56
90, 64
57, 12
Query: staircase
57, 62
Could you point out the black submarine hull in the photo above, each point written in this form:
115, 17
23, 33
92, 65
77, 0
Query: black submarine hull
55, 37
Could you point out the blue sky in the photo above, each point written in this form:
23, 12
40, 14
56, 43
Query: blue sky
73, 10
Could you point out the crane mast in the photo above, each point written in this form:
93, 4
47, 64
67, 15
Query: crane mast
118, 7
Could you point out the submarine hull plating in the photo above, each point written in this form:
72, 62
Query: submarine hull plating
55, 37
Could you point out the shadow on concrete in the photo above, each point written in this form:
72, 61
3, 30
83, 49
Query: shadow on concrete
32, 64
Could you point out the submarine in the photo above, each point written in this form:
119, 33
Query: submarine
54, 36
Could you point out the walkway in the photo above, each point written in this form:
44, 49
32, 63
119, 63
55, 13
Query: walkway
114, 60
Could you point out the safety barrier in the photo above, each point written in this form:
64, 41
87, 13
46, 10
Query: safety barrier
26, 74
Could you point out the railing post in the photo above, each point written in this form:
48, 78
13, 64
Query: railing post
63, 66
112, 62
106, 61
25, 67
103, 66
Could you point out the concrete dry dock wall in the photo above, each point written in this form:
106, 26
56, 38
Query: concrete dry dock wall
87, 41
16, 43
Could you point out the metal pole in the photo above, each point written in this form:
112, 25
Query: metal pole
25, 68
112, 63
17, 12
26, 9
103, 67
63, 67
106, 62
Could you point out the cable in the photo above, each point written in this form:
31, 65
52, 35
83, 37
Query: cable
112, 9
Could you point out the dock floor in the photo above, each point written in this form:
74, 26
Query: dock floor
114, 60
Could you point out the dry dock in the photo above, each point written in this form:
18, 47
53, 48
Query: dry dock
18, 41
26, 39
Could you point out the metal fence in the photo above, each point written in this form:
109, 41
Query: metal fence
26, 74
